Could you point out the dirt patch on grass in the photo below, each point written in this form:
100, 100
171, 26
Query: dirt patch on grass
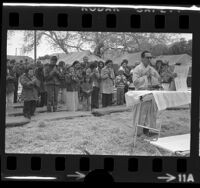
106, 135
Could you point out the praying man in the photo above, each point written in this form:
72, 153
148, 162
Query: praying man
145, 76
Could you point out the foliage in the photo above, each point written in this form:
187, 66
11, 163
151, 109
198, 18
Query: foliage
102, 42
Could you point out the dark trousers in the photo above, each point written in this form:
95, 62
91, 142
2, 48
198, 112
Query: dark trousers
95, 97
16, 90
42, 99
52, 97
106, 100
29, 108
125, 90
120, 96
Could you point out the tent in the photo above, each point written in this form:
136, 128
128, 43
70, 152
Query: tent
183, 59
77, 56
18, 58
132, 58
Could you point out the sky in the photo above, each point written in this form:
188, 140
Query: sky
16, 42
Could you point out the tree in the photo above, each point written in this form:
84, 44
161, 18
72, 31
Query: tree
181, 47
99, 42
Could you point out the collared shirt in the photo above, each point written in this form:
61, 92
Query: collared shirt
140, 79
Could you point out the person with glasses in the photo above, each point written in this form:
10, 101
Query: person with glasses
144, 76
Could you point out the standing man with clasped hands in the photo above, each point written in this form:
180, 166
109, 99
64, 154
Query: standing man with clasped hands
52, 81
145, 76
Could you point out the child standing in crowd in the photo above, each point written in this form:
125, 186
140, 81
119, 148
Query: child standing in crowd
30, 86
120, 82
87, 90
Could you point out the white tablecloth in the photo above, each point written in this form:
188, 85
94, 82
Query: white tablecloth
163, 99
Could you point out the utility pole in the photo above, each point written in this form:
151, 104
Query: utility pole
35, 46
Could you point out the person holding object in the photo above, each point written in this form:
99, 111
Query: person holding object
144, 78
107, 76
52, 81
30, 85
120, 83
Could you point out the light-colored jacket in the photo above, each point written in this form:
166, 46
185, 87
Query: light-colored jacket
107, 76
140, 79
94, 74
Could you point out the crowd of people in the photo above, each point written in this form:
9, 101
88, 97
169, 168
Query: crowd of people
83, 85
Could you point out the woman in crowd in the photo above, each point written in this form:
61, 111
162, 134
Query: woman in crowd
167, 77
93, 73
107, 76
72, 84
30, 86
124, 66
158, 66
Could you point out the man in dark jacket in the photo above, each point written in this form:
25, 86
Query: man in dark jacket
39, 73
52, 82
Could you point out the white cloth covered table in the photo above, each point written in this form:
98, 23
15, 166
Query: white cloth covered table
145, 105
163, 99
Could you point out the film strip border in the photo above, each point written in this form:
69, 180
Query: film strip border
98, 19
121, 168
128, 169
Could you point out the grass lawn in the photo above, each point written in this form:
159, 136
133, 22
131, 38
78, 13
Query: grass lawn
105, 135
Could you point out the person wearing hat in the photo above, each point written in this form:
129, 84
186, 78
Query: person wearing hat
108, 77
52, 82
30, 85
120, 83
